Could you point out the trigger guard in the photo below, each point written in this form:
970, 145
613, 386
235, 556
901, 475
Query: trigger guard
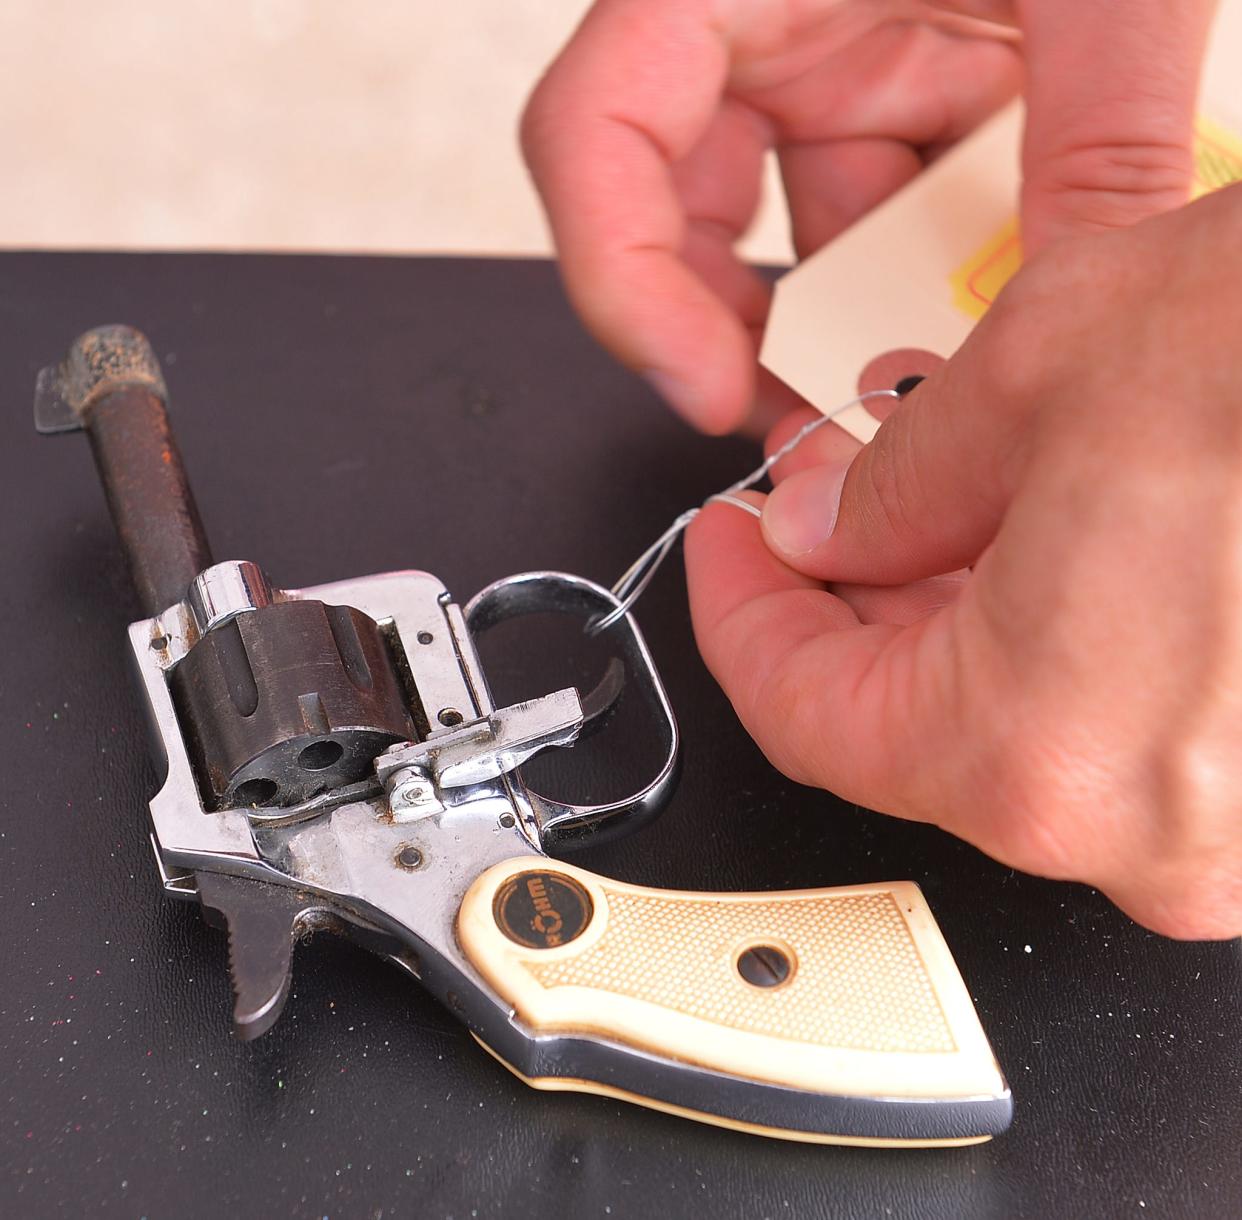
559, 592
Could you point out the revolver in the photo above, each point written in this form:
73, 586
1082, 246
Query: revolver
332, 758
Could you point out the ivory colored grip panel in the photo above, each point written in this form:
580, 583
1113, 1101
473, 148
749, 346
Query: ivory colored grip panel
872, 1005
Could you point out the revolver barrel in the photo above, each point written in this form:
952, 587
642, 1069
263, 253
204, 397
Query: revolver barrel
278, 701
110, 385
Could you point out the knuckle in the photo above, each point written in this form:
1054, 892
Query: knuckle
1035, 829
535, 124
1203, 906
1050, 322
1166, 848
1159, 831
1109, 185
1007, 350
1197, 276
889, 482
1199, 835
1039, 313
1048, 783
1224, 207
1195, 777
791, 700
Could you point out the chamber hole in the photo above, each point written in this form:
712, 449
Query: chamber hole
320, 754
450, 717
255, 792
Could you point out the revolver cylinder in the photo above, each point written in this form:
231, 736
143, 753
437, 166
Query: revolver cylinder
286, 701
277, 700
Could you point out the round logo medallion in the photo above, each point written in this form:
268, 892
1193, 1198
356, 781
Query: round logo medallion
542, 909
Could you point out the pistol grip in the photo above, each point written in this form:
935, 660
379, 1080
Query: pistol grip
847, 993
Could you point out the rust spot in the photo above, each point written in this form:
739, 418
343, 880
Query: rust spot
105, 360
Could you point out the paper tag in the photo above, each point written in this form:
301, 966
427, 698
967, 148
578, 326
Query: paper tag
922, 268
896, 278
1218, 163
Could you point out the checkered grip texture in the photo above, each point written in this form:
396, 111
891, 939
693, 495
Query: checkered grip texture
859, 982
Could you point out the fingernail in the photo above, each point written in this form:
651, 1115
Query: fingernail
801, 513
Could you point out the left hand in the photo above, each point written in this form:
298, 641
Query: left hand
646, 139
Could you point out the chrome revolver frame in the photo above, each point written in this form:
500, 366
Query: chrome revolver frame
332, 758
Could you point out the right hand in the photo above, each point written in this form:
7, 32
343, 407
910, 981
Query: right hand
1017, 612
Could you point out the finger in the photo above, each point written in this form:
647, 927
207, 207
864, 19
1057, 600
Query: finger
832, 445
718, 184
858, 709
896, 604
924, 498
850, 133
634, 92
829, 185
899, 80
1111, 95
826, 445
902, 605
773, 402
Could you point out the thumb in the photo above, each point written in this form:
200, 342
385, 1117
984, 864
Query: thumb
1111, 91
927, 494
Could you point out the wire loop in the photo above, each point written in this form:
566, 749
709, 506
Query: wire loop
641, 572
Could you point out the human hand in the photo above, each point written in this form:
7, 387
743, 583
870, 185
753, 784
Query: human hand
1032, 634
646, 140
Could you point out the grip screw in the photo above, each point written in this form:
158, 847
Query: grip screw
764, 966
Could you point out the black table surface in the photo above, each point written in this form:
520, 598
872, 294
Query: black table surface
341, 416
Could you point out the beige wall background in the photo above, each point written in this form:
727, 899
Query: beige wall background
381, 125
385, 125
